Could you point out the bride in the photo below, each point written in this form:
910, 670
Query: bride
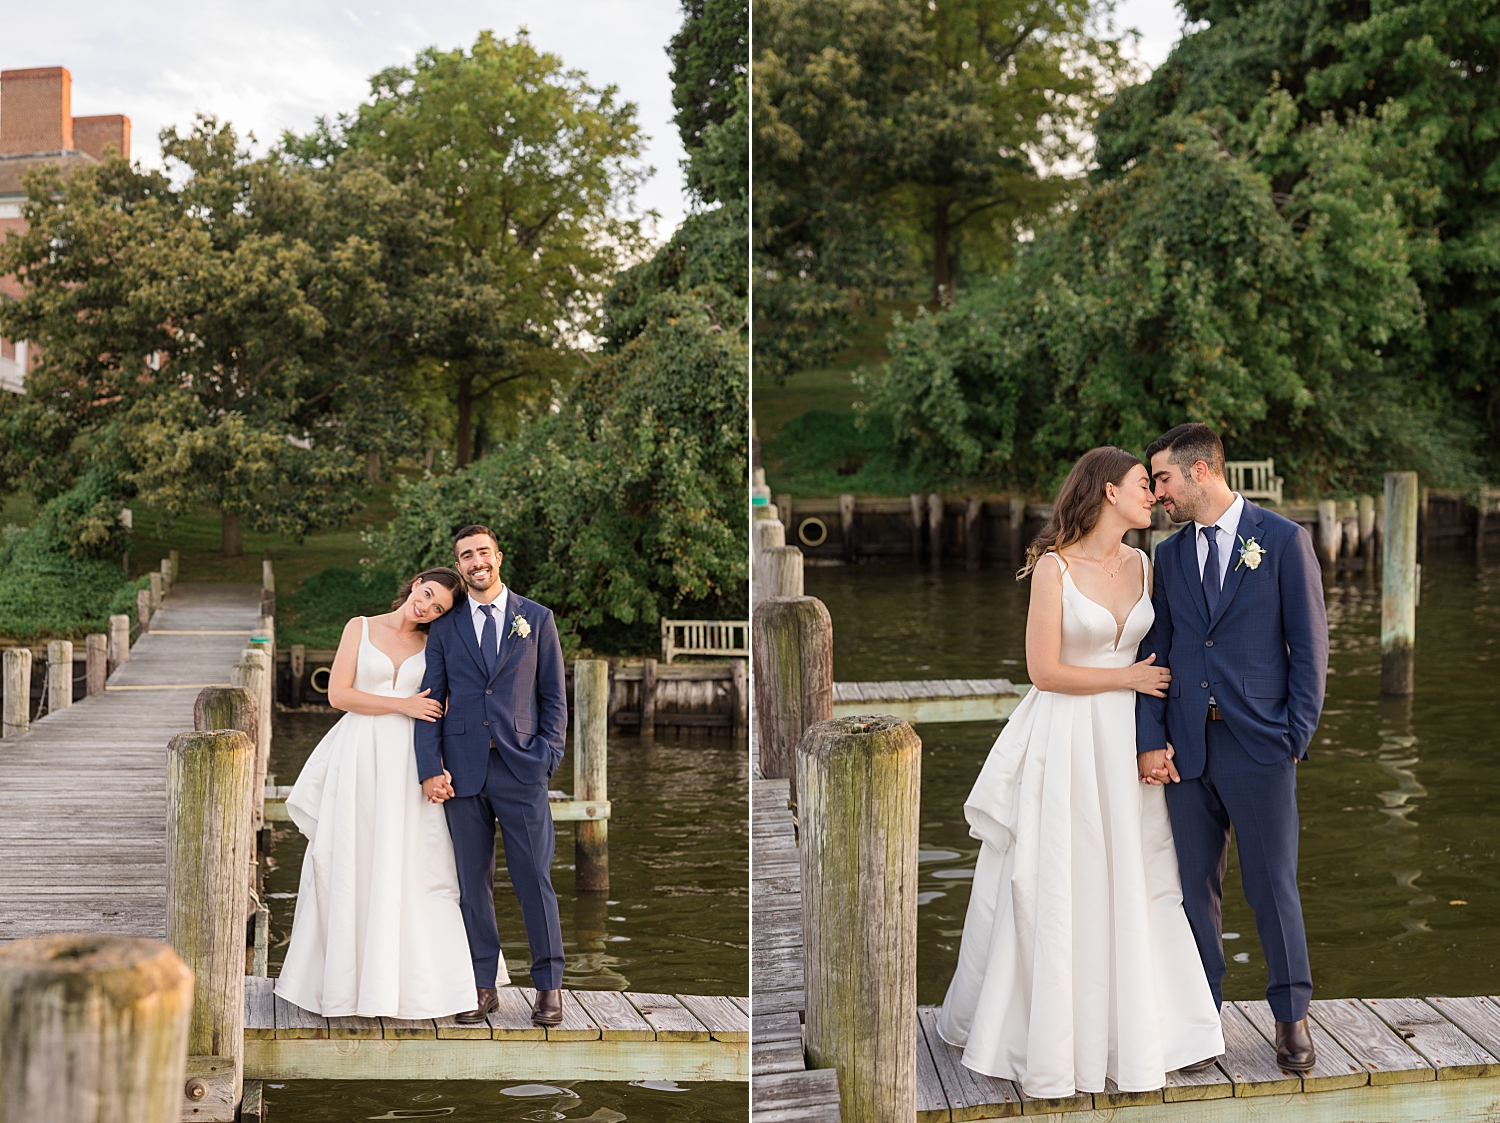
1077, 964
378, 928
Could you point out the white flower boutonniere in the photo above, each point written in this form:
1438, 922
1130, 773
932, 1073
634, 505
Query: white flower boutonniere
1251, 553
519, 627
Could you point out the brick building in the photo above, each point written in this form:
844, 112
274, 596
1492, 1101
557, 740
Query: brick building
37, 127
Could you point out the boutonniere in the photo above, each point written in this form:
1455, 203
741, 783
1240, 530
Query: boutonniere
1251, 552
519, 627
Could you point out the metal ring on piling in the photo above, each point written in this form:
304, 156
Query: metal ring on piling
312, 679
822, 531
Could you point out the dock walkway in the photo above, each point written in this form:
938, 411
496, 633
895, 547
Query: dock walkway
83, 793
931, 700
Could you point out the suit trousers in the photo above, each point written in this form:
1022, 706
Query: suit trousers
1260, 802
526, 827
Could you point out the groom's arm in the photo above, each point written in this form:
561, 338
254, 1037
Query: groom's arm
429, 734
551, 691
1151, 712
1304, 623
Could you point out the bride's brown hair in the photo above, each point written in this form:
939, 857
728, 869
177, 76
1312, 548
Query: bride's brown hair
442, 575
1076, 510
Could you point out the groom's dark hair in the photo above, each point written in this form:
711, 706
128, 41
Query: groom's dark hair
1189, 444
471, 531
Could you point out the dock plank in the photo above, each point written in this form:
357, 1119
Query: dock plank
1450, 1051
795, 1097
577, 1024
669, 1018
1333, 1068
1370, 1041
296, 1024
1250, 1060
932, 1101
971, 1095
260, 1007
1478, 1017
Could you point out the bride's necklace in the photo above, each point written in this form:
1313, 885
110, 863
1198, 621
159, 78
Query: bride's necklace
1119, 565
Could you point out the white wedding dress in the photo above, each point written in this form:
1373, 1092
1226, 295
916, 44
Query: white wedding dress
377, 931
1077, 963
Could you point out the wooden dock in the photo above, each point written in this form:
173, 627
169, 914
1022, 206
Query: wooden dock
930, 700
782, 1088
83, 793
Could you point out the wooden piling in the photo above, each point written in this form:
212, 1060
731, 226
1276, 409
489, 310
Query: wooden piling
119, 641
935, 528
253, 672
95, 663
767, 534
267, 575
740, 688
16, 718
226, 707
1349, 528
96, 1028
858, 797
792, 645
1017, 531
143, 609
848, 528
783, 572
648, 698
973, 532
591, 772
1330, 533
174, 557
59, 675
210, 776
297, 663
166, 576
1398, 603
916, 528
155, 591
1367, 530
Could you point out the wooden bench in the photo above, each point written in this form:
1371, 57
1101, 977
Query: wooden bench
704, 637
1254, 479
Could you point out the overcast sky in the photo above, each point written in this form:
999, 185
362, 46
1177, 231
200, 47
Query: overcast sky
278, 64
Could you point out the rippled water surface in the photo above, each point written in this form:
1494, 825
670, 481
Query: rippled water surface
1400, 863
675, 921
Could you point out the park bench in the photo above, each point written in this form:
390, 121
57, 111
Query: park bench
704, 637
1254, 479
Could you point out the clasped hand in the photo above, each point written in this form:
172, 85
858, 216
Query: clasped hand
1156, 767
438, 789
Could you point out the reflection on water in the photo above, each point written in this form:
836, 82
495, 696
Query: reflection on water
1400, 854
675, 920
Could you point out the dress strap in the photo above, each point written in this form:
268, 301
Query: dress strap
364, 628
1062, 562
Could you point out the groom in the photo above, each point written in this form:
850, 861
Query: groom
497, 663
1240, 621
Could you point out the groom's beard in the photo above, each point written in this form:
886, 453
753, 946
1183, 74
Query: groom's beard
1185, 508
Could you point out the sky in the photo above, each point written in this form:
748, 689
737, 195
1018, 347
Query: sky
280, 64
1159, 22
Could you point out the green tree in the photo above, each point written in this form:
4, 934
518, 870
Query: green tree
709, 58
535, 171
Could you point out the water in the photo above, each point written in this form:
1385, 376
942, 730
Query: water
1400, 859
675, 921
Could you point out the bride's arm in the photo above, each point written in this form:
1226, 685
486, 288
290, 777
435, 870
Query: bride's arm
1044, 648
343, 696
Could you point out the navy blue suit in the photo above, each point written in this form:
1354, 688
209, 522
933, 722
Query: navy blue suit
501, 738
1263, 656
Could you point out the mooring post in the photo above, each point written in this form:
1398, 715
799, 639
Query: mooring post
297, 663
769, 534
267, 575
1367, 530
1349, 530
95, 663
210, 776
783, 505
935, 527
591, 772
783, 572
119, 641
16, 718
59, 675
1017, 530
253, 672
859, 784
916, 528
792, 645
174, 557
1398, 602
739, 678
96, 1027
156, 590
847, 528
1330, 533
648, 698
973, 532
143, 609
166, 576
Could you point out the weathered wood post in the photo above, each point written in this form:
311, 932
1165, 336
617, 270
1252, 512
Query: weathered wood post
1330, 534
859, 785
1349, 530
783, 572
174, 557
166, 576
59, 675
210, 776
95, 663
143, 609
591, 772
226, 707
267, 588
1398, 602
648, 698
935, 528
973, 532
768, 534
847, 528
783, 505
739, 678
96, 1027
1424, 522
297, 663
119, 641
155, 591
792, 645
17, 688
916, 528
1367, 530
253, 672
1017, 530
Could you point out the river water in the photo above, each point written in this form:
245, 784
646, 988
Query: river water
1400, 857
675, 921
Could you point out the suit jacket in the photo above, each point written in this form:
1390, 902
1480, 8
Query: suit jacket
522, 707
1263, 655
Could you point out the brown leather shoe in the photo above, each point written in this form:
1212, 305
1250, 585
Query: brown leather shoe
547, 1010
1294, 1046
489, 1002
1200, 1066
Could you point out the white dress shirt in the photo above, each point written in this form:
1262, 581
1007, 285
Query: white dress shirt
1227, 531
498, 605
